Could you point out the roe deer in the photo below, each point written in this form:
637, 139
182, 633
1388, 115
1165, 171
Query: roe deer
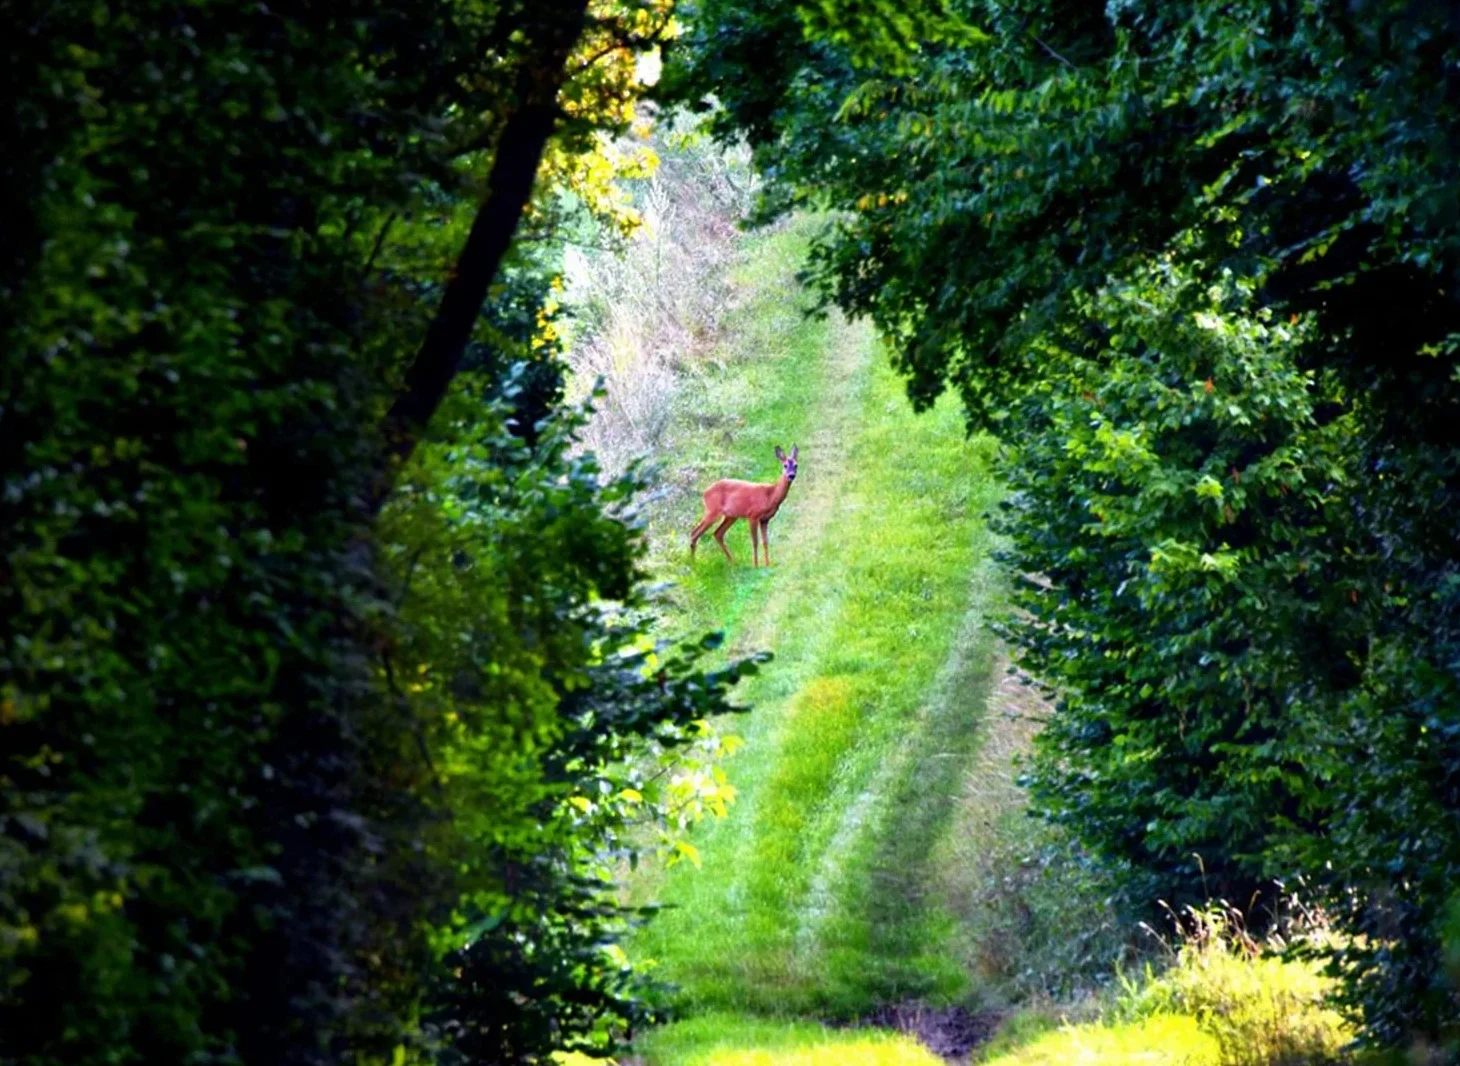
757, 504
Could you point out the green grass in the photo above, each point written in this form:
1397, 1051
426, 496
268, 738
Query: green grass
738, 1040
811, 899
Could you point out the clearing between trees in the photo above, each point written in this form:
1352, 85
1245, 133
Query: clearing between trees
876, 894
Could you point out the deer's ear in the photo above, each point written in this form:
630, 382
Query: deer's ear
780, 454
795, 451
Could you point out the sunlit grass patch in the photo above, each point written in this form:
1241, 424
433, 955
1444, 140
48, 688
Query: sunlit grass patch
1248, 1009
1159, 1040
731, 1040
866, 1051
820, 725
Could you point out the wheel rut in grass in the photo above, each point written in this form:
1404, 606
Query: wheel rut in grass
888, 836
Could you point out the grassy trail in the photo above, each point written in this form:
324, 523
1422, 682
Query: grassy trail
816, 898
874, 860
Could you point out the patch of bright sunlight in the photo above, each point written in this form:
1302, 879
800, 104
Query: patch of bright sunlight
1261, 1011
737, 1040
1160, 1040
866, 1051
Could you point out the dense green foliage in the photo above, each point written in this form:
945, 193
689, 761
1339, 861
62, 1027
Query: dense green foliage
1204, 484
548, 719
284, 779
328, 705
1198, 262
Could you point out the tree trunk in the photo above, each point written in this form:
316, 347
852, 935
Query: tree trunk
519, 153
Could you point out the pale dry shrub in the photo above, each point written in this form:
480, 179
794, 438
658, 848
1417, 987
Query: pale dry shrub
648, 310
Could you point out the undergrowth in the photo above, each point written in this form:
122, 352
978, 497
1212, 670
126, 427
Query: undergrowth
1264, 1010
647, 316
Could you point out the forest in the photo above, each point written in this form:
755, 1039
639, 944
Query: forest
362, 369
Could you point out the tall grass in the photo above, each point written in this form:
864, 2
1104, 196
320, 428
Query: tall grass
648, 314
1263, 1010
1237, 1002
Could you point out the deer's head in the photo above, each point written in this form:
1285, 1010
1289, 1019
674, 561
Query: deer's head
788, 462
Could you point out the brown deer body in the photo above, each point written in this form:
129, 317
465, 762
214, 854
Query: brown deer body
733, 500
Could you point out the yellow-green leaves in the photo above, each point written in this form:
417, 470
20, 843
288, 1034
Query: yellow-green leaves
886, 35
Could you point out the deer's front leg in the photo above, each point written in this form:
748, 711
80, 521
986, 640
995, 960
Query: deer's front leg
765, 539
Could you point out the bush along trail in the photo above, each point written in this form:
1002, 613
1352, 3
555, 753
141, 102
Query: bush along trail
812, 898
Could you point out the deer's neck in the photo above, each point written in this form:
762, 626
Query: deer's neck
779, 490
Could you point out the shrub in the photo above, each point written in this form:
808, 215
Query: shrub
1262, 1010
646, 311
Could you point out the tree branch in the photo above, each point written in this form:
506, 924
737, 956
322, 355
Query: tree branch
379, 243
1051, 51
624, 41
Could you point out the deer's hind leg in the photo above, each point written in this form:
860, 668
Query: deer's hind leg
730, 520
699, 530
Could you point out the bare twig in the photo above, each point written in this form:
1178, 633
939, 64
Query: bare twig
1050, 50
379, 242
